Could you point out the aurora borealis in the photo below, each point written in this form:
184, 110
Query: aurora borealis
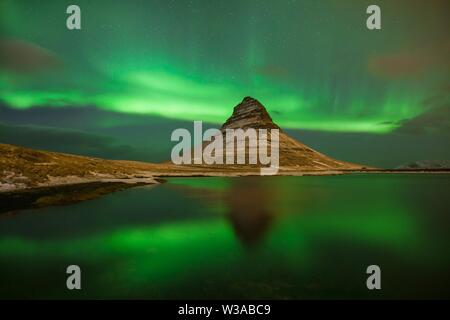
313, 64
140, 69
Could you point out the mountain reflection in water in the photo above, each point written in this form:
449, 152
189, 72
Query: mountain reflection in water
246, 237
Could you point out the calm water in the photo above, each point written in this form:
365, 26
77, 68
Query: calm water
260, 237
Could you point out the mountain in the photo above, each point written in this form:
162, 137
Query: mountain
426, 164
250, 113
23, 168
293, 155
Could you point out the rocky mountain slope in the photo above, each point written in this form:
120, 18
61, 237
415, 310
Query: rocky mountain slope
293, 155
22, 168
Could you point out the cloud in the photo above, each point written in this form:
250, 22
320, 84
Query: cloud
90, 131
271, 71
411, 62
67, 141
24, 57
424, 49
435, 121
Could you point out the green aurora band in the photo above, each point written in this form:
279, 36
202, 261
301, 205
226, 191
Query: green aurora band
307, 62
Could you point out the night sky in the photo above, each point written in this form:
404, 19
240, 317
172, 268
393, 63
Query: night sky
137, 69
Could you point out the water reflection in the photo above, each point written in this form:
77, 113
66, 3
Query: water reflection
248, 204
250, 209
260, 238
11, 202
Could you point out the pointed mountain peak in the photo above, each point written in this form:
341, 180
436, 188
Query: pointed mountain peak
250, 113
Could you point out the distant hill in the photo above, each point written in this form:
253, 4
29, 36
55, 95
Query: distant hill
22, 168
426, 164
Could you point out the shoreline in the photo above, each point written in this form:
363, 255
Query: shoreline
154, 178
79, 190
